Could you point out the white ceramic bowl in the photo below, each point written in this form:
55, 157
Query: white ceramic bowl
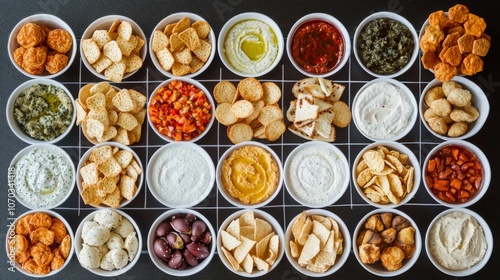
392, 16
374, 105
339, 261
487, 235
346, 53
377, 268
200, 87
11, 232
162, 265
51, 22
85, 158
99, 271
479, 100
16, 128
54, 151
175, 18
276, 228
245, 17
104, 23
182, 172
413, 161
236, 201
486, 173
323, 162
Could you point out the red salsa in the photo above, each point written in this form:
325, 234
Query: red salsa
317, 46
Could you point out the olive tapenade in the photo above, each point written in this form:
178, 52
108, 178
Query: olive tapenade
385, 46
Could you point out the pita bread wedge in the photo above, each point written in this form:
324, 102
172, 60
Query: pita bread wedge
337, 92
299, 86
315, 90
305, 111
322, 105
324, 123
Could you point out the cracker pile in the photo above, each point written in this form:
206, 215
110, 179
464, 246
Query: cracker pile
454, 43
114, 51
108, 176
317, 109
182, 47
249, 110
42, 48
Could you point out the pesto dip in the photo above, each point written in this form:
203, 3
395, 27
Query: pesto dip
43, 111
385, 46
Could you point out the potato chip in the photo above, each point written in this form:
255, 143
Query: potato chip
243, 249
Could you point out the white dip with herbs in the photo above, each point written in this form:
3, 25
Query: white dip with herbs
179, 175
316, 173
43, 177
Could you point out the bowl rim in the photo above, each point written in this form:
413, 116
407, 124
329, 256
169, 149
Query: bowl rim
409, 94
87, 154
409, 262
14, 126
488, 235
10, 233
42, 17
341, 157
338, 25
136, 29
57, 150
195, 147
249, 16
339, 262
79, 241
235, 201
477, 94
258, 213
400, 147
161, 264
483, 159
170, 19
201, 87
402, 20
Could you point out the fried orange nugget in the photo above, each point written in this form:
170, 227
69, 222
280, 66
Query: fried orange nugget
444, 71
23, 226
32, 267
30, 35
438, 18
56, 62
59, 230
18, 55
59, 40
458, 13
41, 253
58, 261
42, 235
473, 64
34, 60
65, 246
475, 25
40, 219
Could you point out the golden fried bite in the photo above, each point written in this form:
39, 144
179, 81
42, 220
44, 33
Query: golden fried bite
23, 226
56, 62
441, 107
40, 219
32, 267
444, 71
41, 253
459, 97
438, 18
34, 60
467, 113
18, 55
458, 13
438, 125
472, 64
42, 235
57, 261
30, 35
374, 223
457, 129
433, 94
429, 58
59, 40
59, 230
392, 258
448, 86
369, 253
65, 246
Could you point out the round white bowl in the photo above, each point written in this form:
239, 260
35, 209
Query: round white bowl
479, 100
338, 157
488, 236
16, 128
243, 17
235, 201
85, 157
162, 265
377, 268
391, 145
276, 228
11, 233
52, 22
398, 18
175, 18
99, 271
104, 23
486, 176
339, 261
154, 163
331, 20
406, 94
200, 87
55, 150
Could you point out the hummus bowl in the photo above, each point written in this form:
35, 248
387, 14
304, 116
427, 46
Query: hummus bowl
387, 181
250, 44
325, 218
325, 31
472, 238
249, 175
51, 22
396, 257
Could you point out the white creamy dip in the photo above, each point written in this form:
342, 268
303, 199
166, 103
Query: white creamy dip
179, 175
382, 110
316, 174
457, 241
43, 178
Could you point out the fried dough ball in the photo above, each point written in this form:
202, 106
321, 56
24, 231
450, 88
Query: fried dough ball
32, 267
371, 237
374, 223
441, 107
400, 222
56, 62
30, 35
65, 246
408, 249
386, 219
388, 235
457, 129
34, 60
18, 55
406, 235
20, 244
438, 125
448, 86
59, 40
428, 113
432, 94
23, 226
42, 235
58, 261
392, 258
45, 30
467, 113
59, 230
459, 97
41, 254
369, 253
23, 257
40, 219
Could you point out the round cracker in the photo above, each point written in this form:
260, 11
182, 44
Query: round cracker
270, 113
250, 89
271, 93
274, 129
223, 114
85, 93
342, 116
240, 132
257, 106
242, 109
224, 92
